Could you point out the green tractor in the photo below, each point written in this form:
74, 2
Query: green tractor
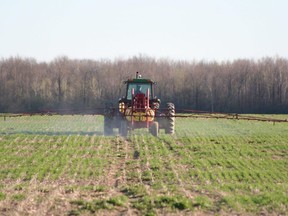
139, 109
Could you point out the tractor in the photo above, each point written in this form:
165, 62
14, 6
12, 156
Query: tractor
139, 109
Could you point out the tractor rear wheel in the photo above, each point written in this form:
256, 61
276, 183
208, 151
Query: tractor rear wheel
154, 129
123, 128
170, 119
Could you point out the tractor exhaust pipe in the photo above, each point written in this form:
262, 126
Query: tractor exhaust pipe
138, 76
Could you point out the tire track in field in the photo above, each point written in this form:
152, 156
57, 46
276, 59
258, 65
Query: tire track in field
111, 179
115, 177
117, 154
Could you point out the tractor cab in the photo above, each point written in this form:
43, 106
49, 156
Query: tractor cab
139, 86
139, 93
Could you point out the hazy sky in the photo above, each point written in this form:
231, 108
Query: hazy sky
177, 29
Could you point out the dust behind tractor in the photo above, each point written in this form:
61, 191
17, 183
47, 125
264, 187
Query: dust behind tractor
140, 108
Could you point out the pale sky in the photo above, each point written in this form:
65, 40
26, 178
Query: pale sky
176, 29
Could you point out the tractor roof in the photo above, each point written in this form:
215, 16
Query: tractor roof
139, 81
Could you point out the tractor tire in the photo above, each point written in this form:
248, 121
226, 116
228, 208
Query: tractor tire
154, 129
124, 128
170, 119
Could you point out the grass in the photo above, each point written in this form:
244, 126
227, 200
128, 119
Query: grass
63, 165
98, 204
2, 196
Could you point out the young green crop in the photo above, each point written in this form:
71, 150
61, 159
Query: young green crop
65, 166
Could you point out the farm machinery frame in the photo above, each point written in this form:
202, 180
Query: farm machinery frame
139, 108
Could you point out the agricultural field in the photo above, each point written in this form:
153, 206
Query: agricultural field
63, 165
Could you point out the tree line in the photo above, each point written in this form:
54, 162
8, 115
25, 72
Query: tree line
241, 86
